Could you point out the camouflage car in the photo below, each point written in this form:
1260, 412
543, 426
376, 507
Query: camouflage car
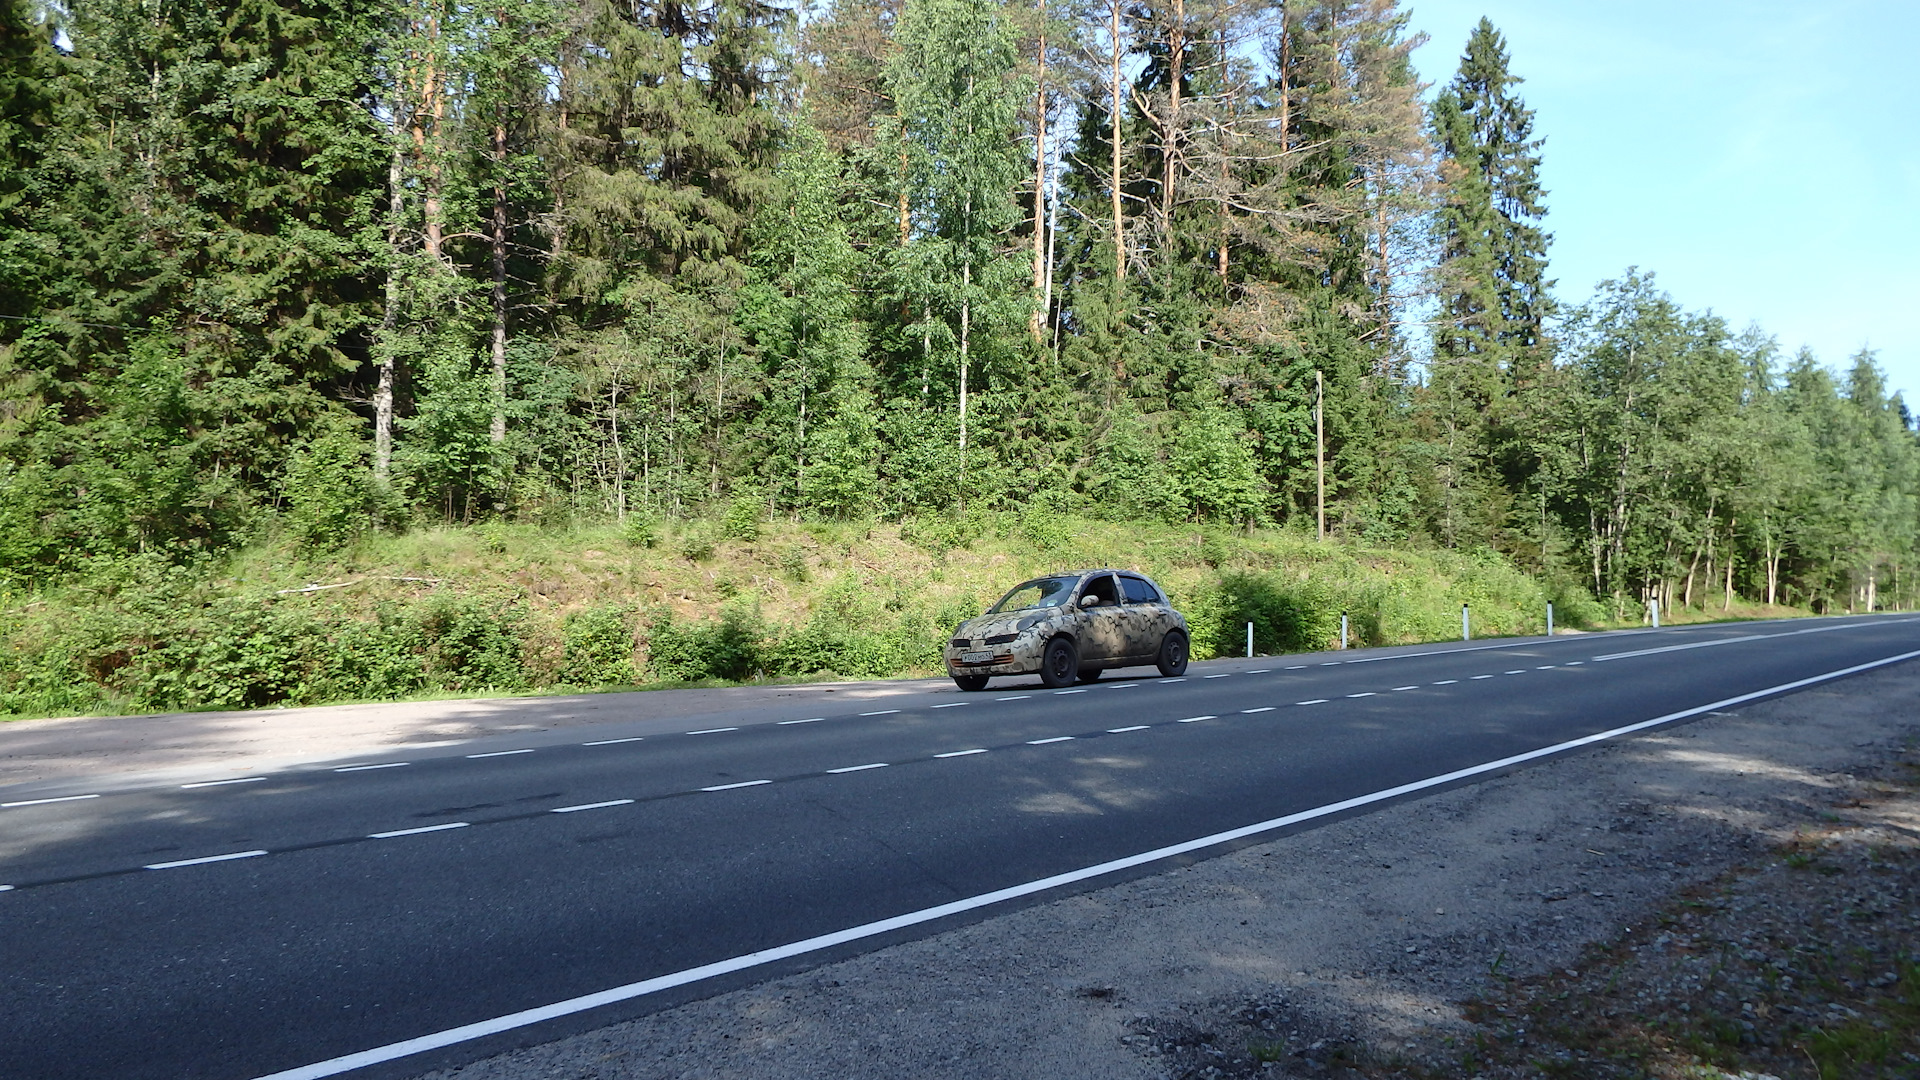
1070, 627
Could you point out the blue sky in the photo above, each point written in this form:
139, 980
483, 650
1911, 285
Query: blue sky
1761, 158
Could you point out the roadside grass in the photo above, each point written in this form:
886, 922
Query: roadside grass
505, 609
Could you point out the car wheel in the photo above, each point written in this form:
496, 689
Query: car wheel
1173, 654
1061, 663
1090, 674
971, 683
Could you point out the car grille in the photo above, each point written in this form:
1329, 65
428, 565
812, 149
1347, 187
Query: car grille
1001, 639
959, 643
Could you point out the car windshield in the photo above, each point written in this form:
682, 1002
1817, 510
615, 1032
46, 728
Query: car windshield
1038, 593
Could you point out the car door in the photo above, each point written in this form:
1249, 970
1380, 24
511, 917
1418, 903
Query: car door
1147, 616
1104, 638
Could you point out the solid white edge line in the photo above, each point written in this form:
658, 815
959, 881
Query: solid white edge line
468, 1032
610, 742
43, 802
730, 787
589, 806
808, 720
960, 753
416, 832
219, 783
860, 768
228, 857
501, 753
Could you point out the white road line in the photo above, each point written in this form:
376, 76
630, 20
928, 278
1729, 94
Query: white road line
1249, 712
221, 783
1016, 697
1368, 693
1217, 676
1446, 682
365, 768
730, 787
6, 888
1522, 671
951, 705
1260, 671
1695, 645
961, 753
1124, 730
712, 730
1298, 667
1312, 701
880, 712
1043, 742
1573, 663
501, 753
1333, 663
1120, 685
416, 832
1544, 667
1175, 679
1196, 719
228, 857
746, 961
610, 742
1415, 687
1483, 676
808, 720
43, 802
860, 768
1082, 690
589, 806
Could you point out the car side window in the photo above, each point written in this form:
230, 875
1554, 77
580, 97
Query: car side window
1139, 591
1102, 587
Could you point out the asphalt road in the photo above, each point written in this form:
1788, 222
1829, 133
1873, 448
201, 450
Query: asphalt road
243, 926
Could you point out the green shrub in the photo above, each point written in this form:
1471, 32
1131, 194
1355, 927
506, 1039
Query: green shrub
743, 519
697, 544
729, 648
640, 531
330, 497
599, 647
1286, 616
473, 643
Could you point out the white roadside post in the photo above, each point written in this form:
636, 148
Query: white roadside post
1466, 627
1654, 606
1549, 618
1249, 641
1343, 631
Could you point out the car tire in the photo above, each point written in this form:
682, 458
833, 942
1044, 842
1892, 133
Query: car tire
1172, 660
970, 683
1090, 674
1060, 664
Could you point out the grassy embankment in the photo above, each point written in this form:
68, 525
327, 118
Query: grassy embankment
509, 609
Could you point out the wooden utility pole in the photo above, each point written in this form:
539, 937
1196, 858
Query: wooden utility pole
1320, 455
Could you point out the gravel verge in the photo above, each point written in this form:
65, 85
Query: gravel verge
1486, 930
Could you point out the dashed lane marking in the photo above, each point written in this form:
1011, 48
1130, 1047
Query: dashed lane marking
370, 768
1124, 730
223, 783
1398, 688
443, 827
610, 742
1196, 719
1081, 690
501, 753
962, 753
1482, 677
1367, 693
808, 720
950, 705
860, 768
741, 784
1312, 701
1250, 712
1222, 676
589, 806
1016, 697
1043, 742
1446, 682
43, 802
712, 730
880, 712
1521, 671
228, 857
1260, 671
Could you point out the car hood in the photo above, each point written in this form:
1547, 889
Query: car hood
1013, 622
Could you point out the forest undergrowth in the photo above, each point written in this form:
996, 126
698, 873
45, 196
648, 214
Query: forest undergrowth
504, 609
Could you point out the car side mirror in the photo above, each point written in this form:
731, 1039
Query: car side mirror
1089, 600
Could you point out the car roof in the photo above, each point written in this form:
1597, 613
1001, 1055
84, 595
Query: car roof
1098, 570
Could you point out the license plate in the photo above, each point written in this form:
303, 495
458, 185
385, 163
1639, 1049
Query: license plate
975, 657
